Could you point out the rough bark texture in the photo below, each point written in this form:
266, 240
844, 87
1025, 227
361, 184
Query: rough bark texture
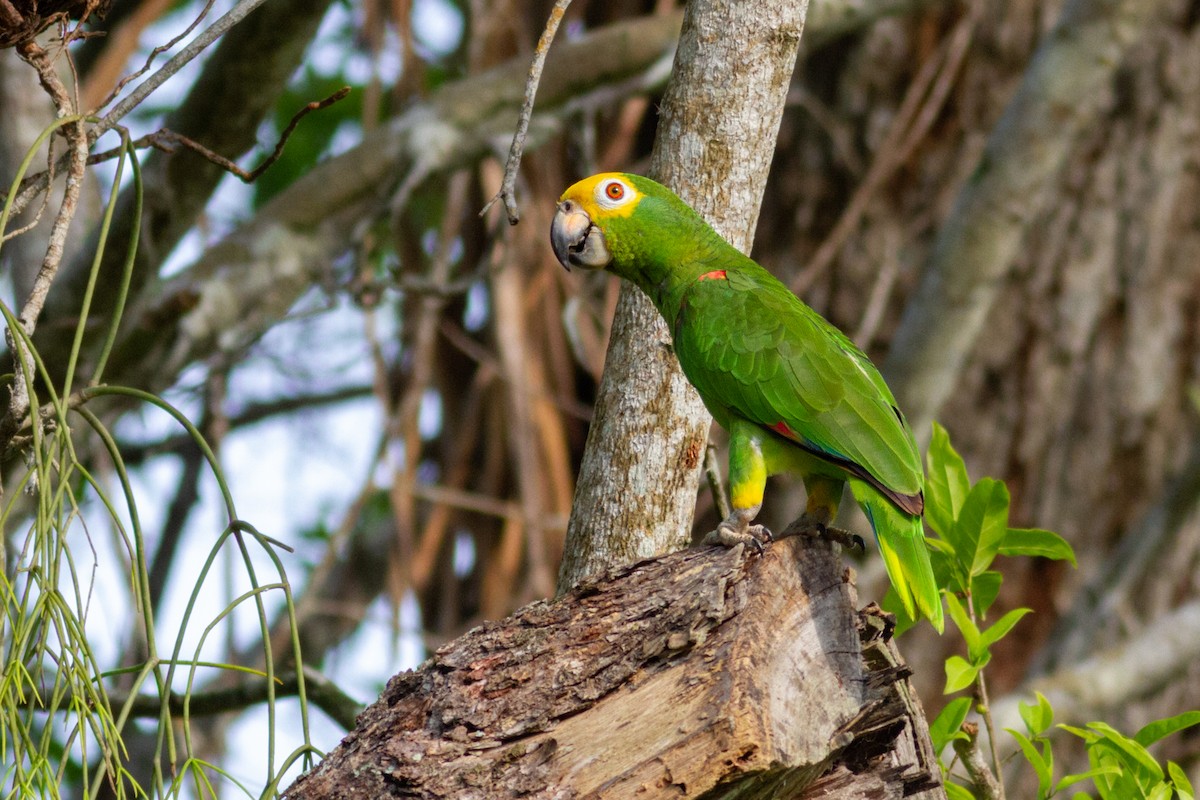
705, 673
715, 141
1060, 94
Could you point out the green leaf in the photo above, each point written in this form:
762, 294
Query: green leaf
947, 727
1165, 727
982, 525
1183, 787
1162, 791
985, 588
947, 484
1133, 754
1086, 735
960, 674
1037, 542
1038, 716
1071, 780
1003, 626
1042, 760
963, 622
946, 572
956, 792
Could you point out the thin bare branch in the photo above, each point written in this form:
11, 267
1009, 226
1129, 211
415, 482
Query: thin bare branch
921, 104
320, 691
155, 53
30, 187
712, 471
18, 406
508, 186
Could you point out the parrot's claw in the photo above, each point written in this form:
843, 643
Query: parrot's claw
727, 534
803, 527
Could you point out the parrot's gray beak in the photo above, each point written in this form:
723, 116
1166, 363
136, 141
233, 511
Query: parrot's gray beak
576, 241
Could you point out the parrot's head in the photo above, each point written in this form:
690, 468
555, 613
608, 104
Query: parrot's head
595, 225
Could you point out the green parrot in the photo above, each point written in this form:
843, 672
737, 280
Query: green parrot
794, 393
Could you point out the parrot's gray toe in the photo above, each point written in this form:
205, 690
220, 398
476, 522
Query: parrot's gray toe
752, 536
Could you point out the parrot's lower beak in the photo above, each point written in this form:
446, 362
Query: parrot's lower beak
576, 241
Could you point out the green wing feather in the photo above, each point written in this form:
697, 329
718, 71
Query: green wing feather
753, 349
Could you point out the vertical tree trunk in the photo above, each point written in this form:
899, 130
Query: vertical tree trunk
637, 484
1061, 93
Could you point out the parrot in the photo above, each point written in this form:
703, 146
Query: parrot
794, 393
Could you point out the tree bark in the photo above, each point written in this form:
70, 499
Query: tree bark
705, 673
1061, 93
636, 491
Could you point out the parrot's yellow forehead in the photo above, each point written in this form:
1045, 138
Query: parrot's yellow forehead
609, 194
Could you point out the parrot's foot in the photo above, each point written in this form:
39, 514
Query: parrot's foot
736, 529
809, 527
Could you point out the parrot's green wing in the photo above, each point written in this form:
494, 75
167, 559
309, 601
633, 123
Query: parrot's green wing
752, 349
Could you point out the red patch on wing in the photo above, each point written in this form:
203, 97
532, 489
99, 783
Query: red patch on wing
782, 429
715, 275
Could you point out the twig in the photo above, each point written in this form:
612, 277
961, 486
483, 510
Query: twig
165, 138
712, 471
31, 186
167, 141
984, 702
155, 53
178, 444
508, 190
985, 783
18, 405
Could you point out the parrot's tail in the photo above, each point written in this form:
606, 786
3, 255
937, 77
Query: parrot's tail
901, 539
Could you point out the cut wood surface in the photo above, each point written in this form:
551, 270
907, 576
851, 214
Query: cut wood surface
706, 673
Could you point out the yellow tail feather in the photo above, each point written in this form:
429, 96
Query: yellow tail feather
901, 539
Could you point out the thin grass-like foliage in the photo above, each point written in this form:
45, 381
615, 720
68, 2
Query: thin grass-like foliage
64, 713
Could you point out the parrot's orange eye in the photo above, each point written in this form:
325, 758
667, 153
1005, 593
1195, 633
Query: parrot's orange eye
614, 191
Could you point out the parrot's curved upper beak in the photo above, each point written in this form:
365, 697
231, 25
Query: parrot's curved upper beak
576, 241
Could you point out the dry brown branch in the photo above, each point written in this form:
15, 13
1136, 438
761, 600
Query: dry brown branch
22, 20
921, 104
508, 186
32, 186
252, 691
229, 166
168, 141
19, 400
421, 337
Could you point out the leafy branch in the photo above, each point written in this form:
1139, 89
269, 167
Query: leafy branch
972, 522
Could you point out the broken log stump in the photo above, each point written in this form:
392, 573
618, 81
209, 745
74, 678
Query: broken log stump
707, 673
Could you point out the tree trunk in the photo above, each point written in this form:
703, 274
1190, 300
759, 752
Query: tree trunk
636, 492
978, 244
705, 673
